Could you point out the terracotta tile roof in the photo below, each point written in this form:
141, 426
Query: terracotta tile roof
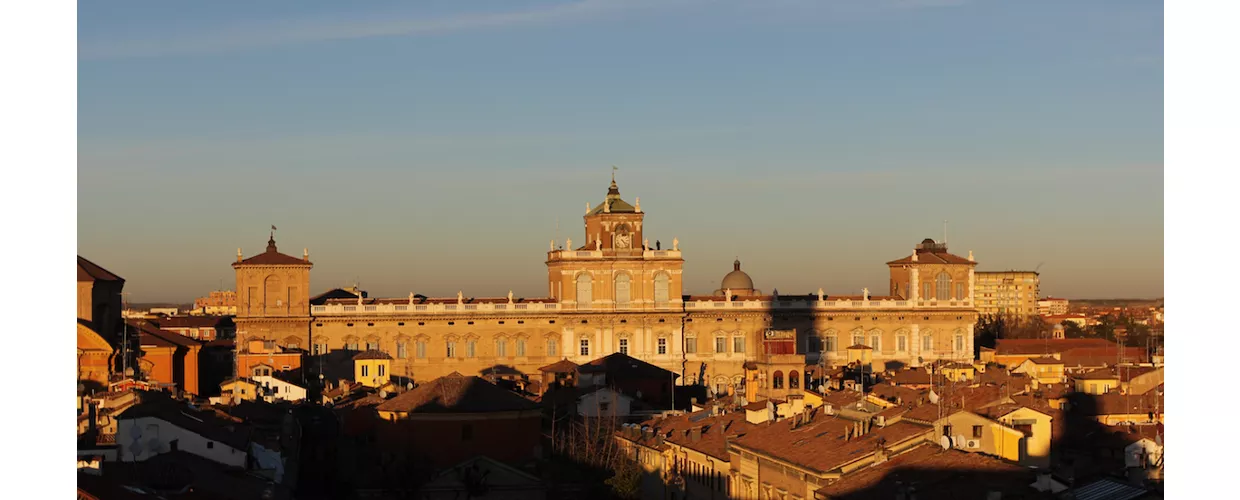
620, 365
371, 354
717, 431
210, 424
561, 366
928, 257
1102, 356
193, 321
1045, 361
896, 394
89, 271
272, 257
965, 399
1008, 347
820, 445
938, 474
916, 376
1099, 374
150, 334
457, 394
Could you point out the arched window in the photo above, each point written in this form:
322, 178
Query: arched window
777, 380
622, 290
661, 289
273, 293
551, 347
943, 286
794, 380
585, 291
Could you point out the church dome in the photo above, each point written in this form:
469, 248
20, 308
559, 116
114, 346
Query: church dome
737, 279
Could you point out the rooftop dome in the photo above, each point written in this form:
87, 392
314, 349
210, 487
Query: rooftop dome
737, 279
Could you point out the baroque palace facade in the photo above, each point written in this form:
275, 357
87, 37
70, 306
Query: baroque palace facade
614, 293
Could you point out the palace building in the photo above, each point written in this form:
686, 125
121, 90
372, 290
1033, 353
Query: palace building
614, 293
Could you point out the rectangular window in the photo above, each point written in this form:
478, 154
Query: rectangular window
381, 370
960, 343
874, 341
977, 431
402, 351
421, 349
858, 340
294, 345
901, 343
372, 346
451, 350
721, 345
551, 347
365, 371
738, 344
351, 346
662, 346
585, 347
828, 344
960, 295
927, 343
690, 345
624, 346
471, 349
501, 348
520, 348
925, 291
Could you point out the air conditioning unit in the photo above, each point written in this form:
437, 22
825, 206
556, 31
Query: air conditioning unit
972, 443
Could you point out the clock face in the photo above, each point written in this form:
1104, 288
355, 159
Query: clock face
623, 240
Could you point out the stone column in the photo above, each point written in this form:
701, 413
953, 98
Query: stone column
915, 337
914, 292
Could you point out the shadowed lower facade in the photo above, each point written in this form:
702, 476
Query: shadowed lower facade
615, 292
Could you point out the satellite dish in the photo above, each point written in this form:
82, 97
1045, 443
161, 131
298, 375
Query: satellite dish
945, 442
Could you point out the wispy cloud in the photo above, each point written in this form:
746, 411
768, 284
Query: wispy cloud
291, 32
300, 31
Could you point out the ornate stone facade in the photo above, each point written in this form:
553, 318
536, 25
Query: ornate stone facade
614, 293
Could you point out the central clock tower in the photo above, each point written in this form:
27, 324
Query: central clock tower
615, 268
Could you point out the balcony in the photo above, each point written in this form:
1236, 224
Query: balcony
377, 309
705, 305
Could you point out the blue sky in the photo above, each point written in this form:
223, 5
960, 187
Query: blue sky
432, 146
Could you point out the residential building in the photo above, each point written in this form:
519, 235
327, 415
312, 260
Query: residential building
455, 417
1045, 370
163, 425
202, 327
372, 368
1051, 306
167, 357
265, 357
216, 303
604, 402
1006, 293
616, 293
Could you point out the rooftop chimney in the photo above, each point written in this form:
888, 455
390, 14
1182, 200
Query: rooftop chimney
695, 434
